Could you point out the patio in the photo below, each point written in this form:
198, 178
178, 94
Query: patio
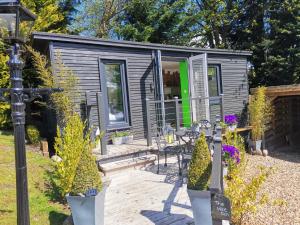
138, 197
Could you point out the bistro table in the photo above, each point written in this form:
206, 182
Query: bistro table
189, 136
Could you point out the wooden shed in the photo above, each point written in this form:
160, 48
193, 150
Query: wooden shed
285, 126
127, 73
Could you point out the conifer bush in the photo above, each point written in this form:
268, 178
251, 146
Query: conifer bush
77, 171
87, 175
200, 165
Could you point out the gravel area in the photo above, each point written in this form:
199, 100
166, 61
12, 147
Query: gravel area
283, 186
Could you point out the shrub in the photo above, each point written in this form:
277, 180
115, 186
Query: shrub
60, 76
236, 140
200, 166
69, 145
243, 195
33, 134
77, 171
260, 110
87, 175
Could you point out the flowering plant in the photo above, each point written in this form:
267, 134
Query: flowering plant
230, 119
230, 153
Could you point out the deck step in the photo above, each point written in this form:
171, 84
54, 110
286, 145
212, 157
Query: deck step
130, 163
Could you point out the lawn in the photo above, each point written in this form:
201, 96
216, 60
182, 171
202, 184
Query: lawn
42, 209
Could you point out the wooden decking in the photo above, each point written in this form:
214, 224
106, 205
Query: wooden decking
124, 149
142, 197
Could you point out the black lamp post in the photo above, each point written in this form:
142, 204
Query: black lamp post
13, 18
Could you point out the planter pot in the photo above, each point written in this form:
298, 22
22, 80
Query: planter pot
225, 171
128, 139
256, 145
88, 210
117, 140
201, 206
232, 127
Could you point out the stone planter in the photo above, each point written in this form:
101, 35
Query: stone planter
256, 145
88, 210
232, 127
225, 171
128, 139
201, 206
122, 140
117, 140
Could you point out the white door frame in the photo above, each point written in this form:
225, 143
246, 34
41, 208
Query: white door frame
203, 57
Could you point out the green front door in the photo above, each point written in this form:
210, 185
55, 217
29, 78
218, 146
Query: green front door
184, 87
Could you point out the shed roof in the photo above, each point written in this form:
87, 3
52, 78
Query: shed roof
279, 91
131, 44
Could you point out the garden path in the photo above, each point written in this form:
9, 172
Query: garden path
142, 197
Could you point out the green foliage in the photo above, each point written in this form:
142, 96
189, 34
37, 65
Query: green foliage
87, 175
260, 110
200, 166
155, 21
93, 18
5, 118
236, 140
120, 134
49, 15
63, 102
33, 134
69, 145
243, 194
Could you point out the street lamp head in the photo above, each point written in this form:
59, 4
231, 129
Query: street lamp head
15, 21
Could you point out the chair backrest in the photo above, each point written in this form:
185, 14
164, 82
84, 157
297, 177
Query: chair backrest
205, 126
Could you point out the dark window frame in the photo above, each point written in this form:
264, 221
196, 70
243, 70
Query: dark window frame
124, 84
219, 77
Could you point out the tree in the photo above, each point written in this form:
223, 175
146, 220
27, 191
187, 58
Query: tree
49, 15
50, 18
281, 63
157, 21
93, 17
215, 19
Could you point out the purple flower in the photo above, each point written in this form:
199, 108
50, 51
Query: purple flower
230, 119
231, 152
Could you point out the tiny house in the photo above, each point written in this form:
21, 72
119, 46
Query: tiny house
126, 73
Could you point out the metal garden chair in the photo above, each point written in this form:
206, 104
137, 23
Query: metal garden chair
164, 147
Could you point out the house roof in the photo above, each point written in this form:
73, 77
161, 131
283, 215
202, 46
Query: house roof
131, 44
279, 91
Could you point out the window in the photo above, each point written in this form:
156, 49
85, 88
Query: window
214, 80
113, 82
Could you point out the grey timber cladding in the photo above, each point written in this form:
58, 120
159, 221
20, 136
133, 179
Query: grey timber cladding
83, 61
234, 81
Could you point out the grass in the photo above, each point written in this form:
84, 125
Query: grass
42, 209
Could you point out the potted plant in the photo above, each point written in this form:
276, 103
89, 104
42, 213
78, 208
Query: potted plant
231, 122
87, 195
76, 175
121, 137
128, 138
260, 111
231, 155
198, 177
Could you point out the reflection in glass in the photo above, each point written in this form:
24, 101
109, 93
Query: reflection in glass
213, 81
114, 93
7, 25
